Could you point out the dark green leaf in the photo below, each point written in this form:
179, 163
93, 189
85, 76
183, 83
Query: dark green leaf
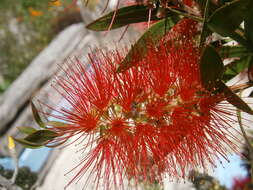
212, 8
41, 136
27, 144
27, 130
227, 18
248, 25
234, 68
155, 32
205, 30
233, 51
37, 116
233, 99
124, 16
211, 67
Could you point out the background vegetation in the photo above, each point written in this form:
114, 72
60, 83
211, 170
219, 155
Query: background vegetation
26, 27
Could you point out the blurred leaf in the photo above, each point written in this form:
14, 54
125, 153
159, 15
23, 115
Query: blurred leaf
154, 33
27, 144
211, 67
11, 143
26, 130
41, 136
234, 68
124, 16
37, 116
56, 124
227, 18
233, 98
233, 51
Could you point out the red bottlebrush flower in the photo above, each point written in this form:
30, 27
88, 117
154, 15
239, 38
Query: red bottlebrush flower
153, 119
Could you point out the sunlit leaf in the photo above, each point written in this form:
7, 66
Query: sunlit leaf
11, 143
37, 116
27, 130
56, 124
124, 16
27, 144
41, 136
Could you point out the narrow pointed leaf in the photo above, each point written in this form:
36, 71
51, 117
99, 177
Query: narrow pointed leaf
233, 99
233, 51
56, 124
211, 67
27, 144
37, 116
124, 16
248, 25
41, 136
155, 32
205, 30
27, 130
234, 68
227, 18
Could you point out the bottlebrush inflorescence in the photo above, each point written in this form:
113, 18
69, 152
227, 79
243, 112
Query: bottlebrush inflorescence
153, 119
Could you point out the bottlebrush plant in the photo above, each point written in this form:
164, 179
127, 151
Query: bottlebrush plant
162, 108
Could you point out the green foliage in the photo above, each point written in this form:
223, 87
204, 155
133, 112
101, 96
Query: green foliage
211, 67
227, 18
233, 99
124, 16
37, 116
25, 178
237, 66
23, 35
154, 33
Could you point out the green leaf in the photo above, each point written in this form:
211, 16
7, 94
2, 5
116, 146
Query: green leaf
27, 130
234, 68
248, 25
233, 51
124, 16
56, 124
211, 67
226, 19
41, 137
233, 99
205, 30
27, 144
37, 116
155, 32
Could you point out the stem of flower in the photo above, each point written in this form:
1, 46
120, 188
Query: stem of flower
185, 14
247, 142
